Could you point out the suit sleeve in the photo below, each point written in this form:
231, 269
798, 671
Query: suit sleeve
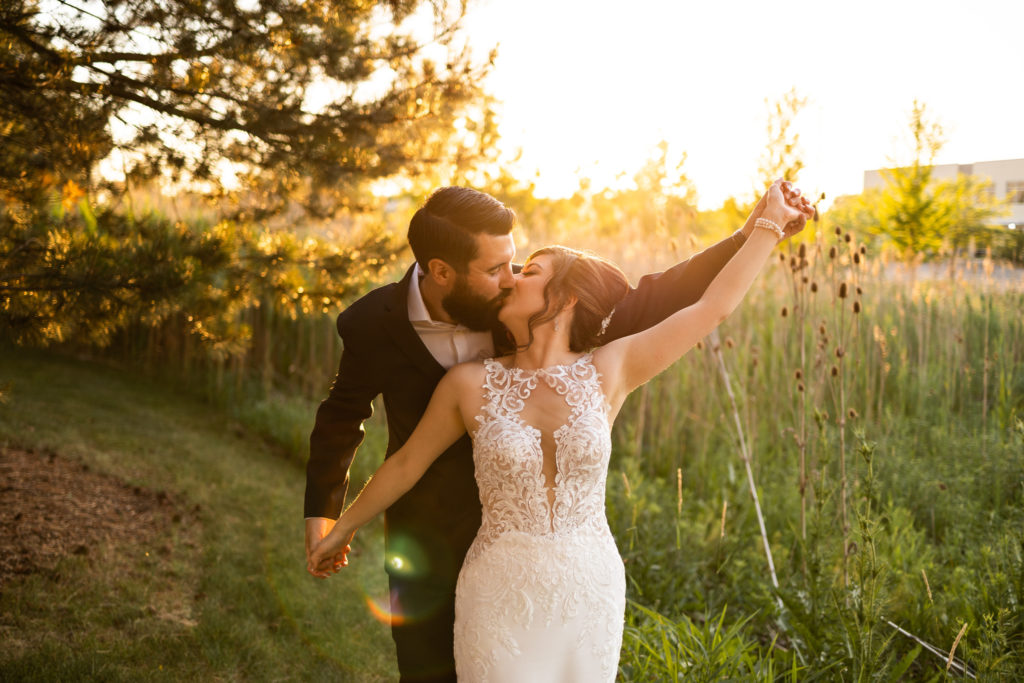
339, 426
659, 295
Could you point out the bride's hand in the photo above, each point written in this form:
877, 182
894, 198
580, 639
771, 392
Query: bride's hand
785, 205
330, 554
793, 197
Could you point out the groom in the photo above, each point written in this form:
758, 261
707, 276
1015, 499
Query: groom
398, 341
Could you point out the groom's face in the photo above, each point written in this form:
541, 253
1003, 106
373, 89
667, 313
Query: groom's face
477, 294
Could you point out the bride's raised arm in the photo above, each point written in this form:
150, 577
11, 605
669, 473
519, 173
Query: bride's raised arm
641, 356
440, 426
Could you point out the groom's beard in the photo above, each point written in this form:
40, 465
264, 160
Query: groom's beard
470, 309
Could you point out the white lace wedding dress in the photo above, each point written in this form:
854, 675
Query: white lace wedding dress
541, 594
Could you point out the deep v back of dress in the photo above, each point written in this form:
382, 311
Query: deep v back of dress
541, 594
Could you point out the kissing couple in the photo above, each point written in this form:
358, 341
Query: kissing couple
501, 384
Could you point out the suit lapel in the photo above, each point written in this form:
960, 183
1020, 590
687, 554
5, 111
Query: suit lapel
398, 326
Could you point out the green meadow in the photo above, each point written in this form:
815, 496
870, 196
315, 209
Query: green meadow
877, 418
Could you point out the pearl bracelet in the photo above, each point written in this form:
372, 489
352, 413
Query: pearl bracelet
769, 225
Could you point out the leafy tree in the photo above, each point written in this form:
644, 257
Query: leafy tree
909, 213
717, 223
781, 159
661, 204
857, 213
303, 100
971, 203
916, 213
62, 282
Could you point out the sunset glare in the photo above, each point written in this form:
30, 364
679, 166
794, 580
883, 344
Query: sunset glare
588, 89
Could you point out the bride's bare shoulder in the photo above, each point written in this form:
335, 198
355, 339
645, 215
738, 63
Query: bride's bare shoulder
468, 373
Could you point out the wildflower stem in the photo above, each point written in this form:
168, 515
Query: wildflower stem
745, 455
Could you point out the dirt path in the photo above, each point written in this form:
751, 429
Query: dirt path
51, 507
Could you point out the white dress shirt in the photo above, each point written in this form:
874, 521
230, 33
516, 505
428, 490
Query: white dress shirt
448, 343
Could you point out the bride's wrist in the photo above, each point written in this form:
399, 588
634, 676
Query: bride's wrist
771, 224
338, 532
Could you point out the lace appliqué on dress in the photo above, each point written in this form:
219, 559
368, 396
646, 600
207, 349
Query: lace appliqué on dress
536, 561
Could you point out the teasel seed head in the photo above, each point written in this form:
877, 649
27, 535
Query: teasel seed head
800, 387
852, 414
729, 343
863, 250
835, 371
839, 231
842, 290
802, 252
814, 286
785, 311
856, 307
805, 279
832, 252
847, 237
840, 352
859, 290
799, 374
821, 329
700, 345
856, 257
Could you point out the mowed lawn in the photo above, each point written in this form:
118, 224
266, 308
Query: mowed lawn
219, 591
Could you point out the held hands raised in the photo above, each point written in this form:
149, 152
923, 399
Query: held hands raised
791, 222
787, 207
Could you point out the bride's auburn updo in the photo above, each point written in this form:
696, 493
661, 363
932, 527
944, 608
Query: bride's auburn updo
596, 283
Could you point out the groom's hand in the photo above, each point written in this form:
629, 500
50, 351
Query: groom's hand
330, 555
316, 529
794, 198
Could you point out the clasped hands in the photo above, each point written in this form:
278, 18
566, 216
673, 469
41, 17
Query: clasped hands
327, 548
797, 209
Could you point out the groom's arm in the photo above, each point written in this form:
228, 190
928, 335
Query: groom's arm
339, 425
659, 295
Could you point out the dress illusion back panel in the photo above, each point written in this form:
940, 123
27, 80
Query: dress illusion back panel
541, 594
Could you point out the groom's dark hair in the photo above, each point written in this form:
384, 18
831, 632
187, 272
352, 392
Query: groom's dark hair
446, 225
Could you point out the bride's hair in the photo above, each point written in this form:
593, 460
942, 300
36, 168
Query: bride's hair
597, 285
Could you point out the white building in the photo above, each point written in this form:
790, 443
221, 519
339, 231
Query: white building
1007, 178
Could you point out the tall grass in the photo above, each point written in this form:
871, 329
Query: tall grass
883, 414
885, 417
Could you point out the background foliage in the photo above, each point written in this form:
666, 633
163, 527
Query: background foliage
875, 406
297, 102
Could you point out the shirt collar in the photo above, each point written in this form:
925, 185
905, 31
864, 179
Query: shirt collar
417, 308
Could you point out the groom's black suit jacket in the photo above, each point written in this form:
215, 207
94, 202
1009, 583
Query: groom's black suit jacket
383, 355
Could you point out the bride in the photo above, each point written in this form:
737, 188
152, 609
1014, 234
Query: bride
541, 594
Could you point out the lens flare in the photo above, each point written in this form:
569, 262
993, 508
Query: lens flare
397, 563
383, 614
405, 557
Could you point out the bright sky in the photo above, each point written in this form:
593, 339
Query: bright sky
591, 86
